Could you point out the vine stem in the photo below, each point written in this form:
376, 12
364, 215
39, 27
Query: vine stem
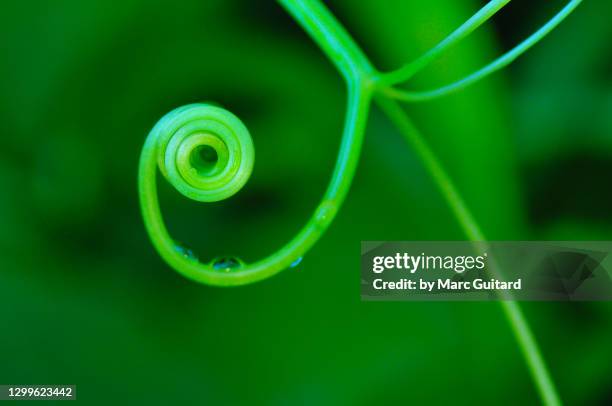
499, 63
407, 71
355, 67
511, 309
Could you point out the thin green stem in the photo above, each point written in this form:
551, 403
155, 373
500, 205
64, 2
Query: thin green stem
331, 37
432, 165
511, 309
529, 348
499, 63
408, 70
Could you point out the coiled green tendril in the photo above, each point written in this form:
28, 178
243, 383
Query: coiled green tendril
207, 154
204, 151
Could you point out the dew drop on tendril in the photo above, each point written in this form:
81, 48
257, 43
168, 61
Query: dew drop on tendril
296, 262
226, 264
185, 252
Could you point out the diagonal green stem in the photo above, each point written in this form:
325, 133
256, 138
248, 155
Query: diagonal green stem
407, 71
499, 63
392, 109
511, 309
331, 37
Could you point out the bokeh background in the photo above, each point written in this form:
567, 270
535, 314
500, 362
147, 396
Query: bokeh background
84, 298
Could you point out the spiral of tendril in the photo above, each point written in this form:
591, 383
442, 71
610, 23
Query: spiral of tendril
207, 154
204, 151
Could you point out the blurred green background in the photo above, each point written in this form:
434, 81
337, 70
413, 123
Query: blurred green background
84, 298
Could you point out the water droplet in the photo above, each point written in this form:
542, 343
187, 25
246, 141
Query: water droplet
325, 212
226, 264
296, 262
185, 252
